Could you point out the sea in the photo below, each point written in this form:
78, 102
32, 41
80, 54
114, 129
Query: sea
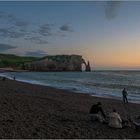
106, 84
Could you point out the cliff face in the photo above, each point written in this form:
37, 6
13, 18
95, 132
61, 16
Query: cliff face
57, 63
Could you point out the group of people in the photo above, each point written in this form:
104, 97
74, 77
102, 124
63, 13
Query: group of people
113, 119
97, 114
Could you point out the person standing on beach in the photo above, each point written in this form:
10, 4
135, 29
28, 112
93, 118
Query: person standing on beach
14, 78
124, 94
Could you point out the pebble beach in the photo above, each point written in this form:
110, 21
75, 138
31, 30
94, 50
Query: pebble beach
29, 111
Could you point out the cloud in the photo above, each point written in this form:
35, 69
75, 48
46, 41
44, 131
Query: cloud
38, 53
16, 28
9, 32
45, 29
111, 9
4, 47
66, 28
37, 40
21, 23
12, 19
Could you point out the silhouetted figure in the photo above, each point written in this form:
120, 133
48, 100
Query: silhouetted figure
115, 120
14, 78
97, 113
124, 94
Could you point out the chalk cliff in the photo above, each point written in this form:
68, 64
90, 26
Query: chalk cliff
58, 63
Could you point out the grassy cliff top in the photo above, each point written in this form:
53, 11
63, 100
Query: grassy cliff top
14, 61
10, 60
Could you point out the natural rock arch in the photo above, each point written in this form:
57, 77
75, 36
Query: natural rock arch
58, 63
87, 65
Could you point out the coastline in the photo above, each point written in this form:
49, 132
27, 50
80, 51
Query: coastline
74, 87
34, 111
12, 70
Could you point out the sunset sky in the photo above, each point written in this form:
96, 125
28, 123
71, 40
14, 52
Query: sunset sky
105, 33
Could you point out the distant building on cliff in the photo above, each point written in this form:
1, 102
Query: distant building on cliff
58, 63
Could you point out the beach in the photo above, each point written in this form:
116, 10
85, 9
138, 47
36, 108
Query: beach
34, 111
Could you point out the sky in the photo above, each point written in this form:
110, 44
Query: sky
107, 33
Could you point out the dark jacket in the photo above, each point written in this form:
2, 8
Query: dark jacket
95, 109
124, 93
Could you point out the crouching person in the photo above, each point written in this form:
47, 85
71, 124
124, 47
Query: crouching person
97, 113
115, 120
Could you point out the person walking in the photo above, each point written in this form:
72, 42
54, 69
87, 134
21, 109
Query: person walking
124, 94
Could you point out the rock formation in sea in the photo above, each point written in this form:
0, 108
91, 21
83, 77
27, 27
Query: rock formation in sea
58, 63
88, 67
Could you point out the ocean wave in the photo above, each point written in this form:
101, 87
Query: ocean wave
103, 84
